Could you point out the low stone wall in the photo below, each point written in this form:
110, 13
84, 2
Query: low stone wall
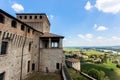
65, 74
86, 75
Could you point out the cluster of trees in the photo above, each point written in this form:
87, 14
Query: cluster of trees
99, 75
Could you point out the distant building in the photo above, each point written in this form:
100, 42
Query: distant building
73, 63
26, 46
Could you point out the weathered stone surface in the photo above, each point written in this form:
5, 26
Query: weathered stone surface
10, 63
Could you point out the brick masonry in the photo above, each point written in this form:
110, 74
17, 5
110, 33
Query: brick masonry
10, 63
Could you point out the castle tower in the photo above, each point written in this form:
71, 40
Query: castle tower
39, 22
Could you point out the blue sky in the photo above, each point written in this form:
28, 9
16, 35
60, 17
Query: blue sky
82, 22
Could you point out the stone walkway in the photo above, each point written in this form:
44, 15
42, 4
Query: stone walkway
44, 76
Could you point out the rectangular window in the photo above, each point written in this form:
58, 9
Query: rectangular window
57, 65
29, 46
28, 30
2, 76
4, 47
28, 69
54, 44
22, 27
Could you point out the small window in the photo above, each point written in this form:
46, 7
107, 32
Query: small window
25, 17
14, 24
35, 17
28, 30
33, 32
40, 17
29, 46
57, 66
28, 67
30, 17
22, 27
2, 18
4, 47
54, 44
2, 76
20, 17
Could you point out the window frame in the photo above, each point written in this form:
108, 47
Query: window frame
22, 27
2, 19
4, 48
14, 24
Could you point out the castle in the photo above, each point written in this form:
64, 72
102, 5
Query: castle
27, 46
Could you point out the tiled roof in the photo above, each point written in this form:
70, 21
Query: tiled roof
46, 34
73, 60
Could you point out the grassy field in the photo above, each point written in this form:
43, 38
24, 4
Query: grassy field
76, 75
110, 69
91, 52
88, 52
71, 49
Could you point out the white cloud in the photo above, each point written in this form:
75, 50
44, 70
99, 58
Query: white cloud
81, 36
89, 40
115, 38
88, 6
100, 38
17, 7
100, 28
87, 37
51, 17
108, 6
65, 39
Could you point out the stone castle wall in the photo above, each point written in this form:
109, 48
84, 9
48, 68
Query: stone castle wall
50, 58
27, 42
10, 63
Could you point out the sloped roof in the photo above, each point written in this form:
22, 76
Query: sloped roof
73, 60
46, 34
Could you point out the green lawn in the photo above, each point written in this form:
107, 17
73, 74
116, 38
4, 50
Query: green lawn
91, 52
71, 49
44, 76
76, 75
110, 69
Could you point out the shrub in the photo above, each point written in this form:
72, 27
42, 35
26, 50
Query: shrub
118, 65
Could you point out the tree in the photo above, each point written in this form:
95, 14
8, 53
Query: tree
99, 75
102, 75
94, 73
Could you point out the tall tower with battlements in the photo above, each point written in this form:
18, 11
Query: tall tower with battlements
39, 21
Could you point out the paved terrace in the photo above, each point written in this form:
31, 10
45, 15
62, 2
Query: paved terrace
44, 76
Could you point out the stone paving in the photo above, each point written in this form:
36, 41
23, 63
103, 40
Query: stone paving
44, 76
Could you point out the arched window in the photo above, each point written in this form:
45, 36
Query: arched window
35, 17
14, 24
2, 19
40, 17
20, 17
30, 17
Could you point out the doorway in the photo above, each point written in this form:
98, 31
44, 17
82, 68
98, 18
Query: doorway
33, 66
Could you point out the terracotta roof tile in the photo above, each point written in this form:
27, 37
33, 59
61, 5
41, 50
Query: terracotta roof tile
51, 35
73, 60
